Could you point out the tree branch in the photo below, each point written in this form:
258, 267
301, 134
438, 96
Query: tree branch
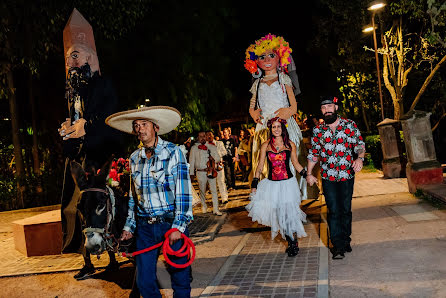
426, 83
438, 122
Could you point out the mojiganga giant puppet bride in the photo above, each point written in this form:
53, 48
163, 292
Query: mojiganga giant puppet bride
273, 94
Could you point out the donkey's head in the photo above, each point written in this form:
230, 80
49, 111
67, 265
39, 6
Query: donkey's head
94, 205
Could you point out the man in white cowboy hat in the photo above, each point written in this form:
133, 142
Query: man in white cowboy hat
200, 153
160, 197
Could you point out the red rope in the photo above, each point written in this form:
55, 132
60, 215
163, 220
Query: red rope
167, 250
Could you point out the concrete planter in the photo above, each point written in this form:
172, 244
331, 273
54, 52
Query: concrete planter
394, 163
422, 165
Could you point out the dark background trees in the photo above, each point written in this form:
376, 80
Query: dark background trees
186, 54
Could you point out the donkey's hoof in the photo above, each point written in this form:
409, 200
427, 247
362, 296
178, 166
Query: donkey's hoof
85, 272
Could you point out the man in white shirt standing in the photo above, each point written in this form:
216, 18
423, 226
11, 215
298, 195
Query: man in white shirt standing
221, 173
198, 159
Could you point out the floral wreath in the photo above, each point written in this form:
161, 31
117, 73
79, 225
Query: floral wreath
268, 42
270, 121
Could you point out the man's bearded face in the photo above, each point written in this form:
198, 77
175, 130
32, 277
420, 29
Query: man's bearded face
330, 112
202, 137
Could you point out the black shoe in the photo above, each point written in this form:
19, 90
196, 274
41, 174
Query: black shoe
85, 272
112, 267
293, 249
337, 253
347, 248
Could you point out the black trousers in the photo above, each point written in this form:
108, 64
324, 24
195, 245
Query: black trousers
338, 196
229, 172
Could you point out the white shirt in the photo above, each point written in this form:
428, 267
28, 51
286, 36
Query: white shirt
198, 157
220, 149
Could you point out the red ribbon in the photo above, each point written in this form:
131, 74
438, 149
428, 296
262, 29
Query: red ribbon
202, 147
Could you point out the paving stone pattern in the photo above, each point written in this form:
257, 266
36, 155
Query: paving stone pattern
262, 268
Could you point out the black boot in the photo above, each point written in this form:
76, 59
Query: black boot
293, 248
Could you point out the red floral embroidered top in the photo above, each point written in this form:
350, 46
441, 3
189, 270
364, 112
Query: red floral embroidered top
279, 165
335, 149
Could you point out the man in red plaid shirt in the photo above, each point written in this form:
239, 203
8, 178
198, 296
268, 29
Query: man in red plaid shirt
338, 145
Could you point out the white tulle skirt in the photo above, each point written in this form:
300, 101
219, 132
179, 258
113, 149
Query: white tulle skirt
276, 204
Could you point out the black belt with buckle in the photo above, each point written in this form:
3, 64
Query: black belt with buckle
167, 217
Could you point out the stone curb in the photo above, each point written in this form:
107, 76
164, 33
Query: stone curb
33, 209
323, 284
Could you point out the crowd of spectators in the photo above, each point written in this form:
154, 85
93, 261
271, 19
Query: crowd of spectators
237, 160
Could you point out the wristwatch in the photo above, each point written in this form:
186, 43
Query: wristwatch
361, 158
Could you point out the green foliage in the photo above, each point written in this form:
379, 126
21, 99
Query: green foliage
413, 9
373, 147
8, 191
360, 99
437, 14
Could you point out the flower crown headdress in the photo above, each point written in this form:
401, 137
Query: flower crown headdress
268, 42
272, 120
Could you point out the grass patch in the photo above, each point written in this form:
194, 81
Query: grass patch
369, 169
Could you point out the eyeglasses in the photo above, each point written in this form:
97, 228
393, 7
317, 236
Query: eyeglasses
271, 55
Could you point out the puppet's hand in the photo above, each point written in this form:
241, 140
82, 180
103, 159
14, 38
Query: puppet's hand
284, 113
256, 116
76, 130
64, 126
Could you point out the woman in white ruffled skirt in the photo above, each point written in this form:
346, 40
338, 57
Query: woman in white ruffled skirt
275, 200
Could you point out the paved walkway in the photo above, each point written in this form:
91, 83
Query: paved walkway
372, 185
398, 249
262, 269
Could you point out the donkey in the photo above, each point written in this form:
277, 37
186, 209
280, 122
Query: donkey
104, 211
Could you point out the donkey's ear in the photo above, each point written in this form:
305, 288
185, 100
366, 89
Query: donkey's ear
105, 169
79, 176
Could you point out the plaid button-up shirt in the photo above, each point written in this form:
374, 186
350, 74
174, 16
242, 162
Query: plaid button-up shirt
161, 185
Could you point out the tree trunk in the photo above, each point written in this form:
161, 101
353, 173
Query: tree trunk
35, 150
19, 165
364, 115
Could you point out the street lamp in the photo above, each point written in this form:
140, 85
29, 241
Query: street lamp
367, 29
374, 7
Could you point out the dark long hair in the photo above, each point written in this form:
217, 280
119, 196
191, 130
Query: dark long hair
285, 135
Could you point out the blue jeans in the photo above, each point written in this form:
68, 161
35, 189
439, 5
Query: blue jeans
338, 196
148, 235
